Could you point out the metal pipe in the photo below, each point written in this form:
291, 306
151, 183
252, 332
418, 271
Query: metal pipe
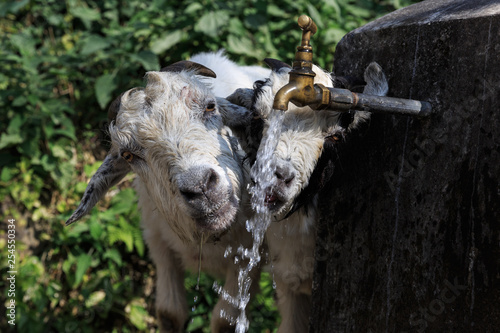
302, 91
344, 100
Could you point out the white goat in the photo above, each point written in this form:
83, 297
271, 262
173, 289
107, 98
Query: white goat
191, 179
291, 240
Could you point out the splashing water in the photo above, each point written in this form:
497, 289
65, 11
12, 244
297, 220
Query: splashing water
263, 174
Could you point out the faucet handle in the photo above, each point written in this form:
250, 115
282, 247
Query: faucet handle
307, 24
309, 28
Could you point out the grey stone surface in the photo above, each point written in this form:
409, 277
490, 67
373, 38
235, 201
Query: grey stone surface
409, 234
435, 11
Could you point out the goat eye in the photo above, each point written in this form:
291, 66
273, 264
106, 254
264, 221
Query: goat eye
210, 107
128, 156
335, 138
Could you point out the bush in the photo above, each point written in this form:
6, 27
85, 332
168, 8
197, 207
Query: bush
62, 63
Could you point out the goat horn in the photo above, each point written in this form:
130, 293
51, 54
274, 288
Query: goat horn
189, 65
276, 64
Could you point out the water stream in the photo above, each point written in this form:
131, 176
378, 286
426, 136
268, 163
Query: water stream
263, 174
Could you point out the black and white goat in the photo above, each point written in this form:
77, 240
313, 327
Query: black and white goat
291, 238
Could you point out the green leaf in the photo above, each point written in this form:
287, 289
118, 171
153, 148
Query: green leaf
166, 41
333, 35
90, 169
236, 27
48, 163
334, 4
67, 129
95, 298
77, 229
8, 140
24, 43
276, 11
315, 15
58, 151
148, 60
13, 133
94, 43
211, 23
192, 8
82, 264
30, 148
255, 21
139, 242
117, 234
241, 45
12, 6
63, 175
104, 87
80, 187
195, 324
96, 229
19, 101
138, 316
114, 255
122, 202
358, 11
6, 174
15, 124
87, 15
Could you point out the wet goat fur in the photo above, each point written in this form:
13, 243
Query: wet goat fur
191, 179
291, 238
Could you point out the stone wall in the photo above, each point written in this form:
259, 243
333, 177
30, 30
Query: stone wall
409, 235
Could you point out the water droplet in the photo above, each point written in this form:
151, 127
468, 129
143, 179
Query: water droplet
228, 251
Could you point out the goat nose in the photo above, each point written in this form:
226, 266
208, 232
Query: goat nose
284, 174
197, 182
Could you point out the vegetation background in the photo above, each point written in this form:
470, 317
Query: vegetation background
62, 62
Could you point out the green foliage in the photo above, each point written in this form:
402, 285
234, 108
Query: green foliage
62, 64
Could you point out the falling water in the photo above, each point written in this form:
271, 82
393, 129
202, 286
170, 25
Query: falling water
263, 173
197, 288
199, 261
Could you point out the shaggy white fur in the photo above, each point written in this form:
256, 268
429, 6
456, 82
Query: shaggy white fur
191, 180
231, 76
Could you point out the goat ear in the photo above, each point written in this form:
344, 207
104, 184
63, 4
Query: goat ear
276, 64
189, 65
376, 82
242, 97
114, 107
233, 115
112, 170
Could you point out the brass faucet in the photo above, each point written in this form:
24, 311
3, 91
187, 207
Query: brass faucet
301, 89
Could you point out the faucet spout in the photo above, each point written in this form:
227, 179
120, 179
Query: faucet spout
284, 96
300, 90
